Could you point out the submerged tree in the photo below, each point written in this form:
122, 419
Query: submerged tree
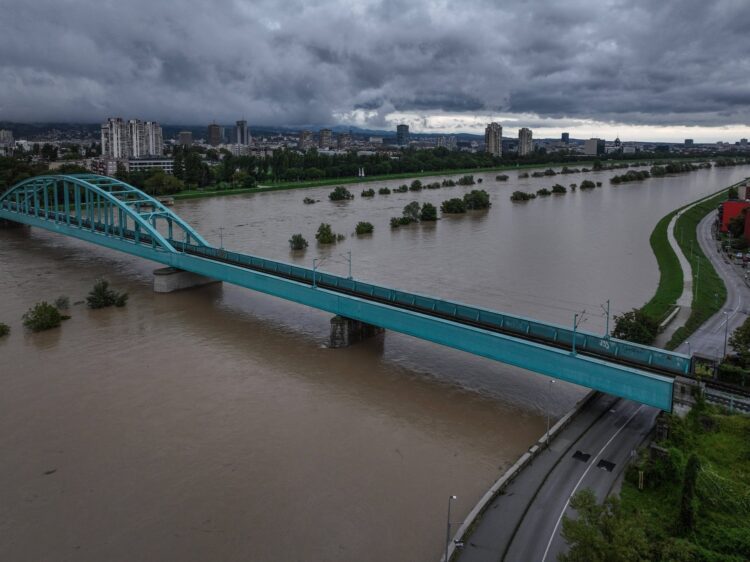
101, 296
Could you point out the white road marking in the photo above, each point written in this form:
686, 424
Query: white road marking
593, 462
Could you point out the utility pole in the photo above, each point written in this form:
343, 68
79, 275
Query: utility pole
575, 327
606, 310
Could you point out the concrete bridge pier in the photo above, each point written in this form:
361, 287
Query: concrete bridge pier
170, 279
345, 331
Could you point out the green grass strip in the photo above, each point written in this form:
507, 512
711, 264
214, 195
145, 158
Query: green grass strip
670, 272
709, 291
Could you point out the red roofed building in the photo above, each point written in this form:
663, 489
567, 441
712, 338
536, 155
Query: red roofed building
730, 209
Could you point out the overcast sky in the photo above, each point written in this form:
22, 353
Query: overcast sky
645, 69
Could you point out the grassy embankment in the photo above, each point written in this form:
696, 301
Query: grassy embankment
709, 291
722, 529
280, 186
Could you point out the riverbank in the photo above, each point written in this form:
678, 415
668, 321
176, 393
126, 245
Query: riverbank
283, 186
708, 290
720, 497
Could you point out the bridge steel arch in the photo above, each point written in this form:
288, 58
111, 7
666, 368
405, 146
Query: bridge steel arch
101, 210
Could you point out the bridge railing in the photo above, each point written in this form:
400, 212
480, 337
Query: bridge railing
585, 342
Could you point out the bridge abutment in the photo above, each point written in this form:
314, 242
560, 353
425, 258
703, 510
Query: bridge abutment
345, 331
170, 279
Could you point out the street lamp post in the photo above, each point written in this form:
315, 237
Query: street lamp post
448, 527
549, 396
575, 325
221, 237
315, 267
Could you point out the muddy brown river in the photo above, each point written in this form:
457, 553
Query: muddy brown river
214, 424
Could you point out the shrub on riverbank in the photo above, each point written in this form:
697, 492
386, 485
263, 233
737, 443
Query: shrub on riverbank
544, 192
501, 177
101, 296
631, 175
409, 214
636, 326
587, 184
42, 316
340, 193
433, 185
466, 180
363, 228
523, 175
384, 191
368, 193
477, 199
449, 183
325, 234
4, 330
401, 189
297, 242
559, 189
416, 185
308, 201
453, 206
522, 196
428, 213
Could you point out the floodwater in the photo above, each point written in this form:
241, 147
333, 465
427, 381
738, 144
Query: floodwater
214, 424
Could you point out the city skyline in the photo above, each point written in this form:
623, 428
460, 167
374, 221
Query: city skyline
434, 68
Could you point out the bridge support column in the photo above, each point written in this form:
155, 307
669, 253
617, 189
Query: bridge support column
170, 279
345, 331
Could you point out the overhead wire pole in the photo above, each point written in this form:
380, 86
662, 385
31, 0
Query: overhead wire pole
606, 310
576, 323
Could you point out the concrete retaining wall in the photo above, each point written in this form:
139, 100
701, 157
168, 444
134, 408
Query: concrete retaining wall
515, 470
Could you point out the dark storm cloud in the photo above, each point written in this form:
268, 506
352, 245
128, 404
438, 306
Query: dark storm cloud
636, 62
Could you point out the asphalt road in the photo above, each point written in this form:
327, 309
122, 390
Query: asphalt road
595, 461
709, 338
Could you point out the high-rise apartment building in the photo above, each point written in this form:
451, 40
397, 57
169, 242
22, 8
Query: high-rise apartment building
447, 141
241, 133
493, 139
115, 138
185, 138
305, 140
344, 140
137, 138
154, 138
565, 138
525, 146
402, 135
325, 139
131, 139
213, 134
6, 137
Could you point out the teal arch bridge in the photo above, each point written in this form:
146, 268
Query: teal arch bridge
113, 214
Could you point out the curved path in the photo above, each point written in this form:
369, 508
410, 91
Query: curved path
709, 338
